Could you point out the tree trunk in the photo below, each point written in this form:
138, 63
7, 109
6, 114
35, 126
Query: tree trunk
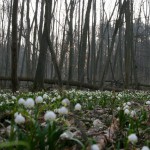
71, 52
40, 71
83, 43
14, 49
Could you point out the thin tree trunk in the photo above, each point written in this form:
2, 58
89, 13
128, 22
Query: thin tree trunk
71, 52
82, 52
40, 71
117, 25
14, 48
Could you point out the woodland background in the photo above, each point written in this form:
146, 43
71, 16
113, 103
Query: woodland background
75, 42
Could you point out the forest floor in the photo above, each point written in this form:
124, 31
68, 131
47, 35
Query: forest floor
74, 120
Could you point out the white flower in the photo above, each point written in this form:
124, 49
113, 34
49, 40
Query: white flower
53, 99
45, 96
39, 99
8, 130
145, 148
21, 101
124, 104
65, 102
126, 107
58, 97
147, 102
13, 97
118, 108
132, 138
29, 103
128, 103
16, 114
133, 113
63, 111
49, 115
90, 97
19, 119
119, 95
77, 106
66, 135
95, 147
126, 111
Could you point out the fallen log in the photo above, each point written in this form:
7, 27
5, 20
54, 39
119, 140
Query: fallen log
67, 83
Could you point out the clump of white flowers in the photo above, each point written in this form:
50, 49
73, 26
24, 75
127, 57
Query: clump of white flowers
19, 119
77, 107
65, 102
49, 115
145, 148
95, 147
29, 103
133, 138
147, 102
63, 111
39, 99
21, 101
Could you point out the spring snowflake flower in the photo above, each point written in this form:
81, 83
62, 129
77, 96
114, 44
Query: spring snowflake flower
53, 99
147, 102
65, 102
119, 95
29, 103
45, 96
58, 97
39, 99
19, 119
126, 107
13, 97
124, 104
8, 130
126, 111
77, 106
128, 103
16, 114
21, 101
49, 115
118, 108
95, 147
90, 97
66, 135
133, 113
132, 138
145, 148
63, 111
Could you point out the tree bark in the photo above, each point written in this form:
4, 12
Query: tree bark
83, 43
14, 48
40, 71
